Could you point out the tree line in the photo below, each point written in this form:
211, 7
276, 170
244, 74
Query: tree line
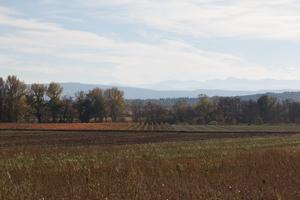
45, 103
219, 110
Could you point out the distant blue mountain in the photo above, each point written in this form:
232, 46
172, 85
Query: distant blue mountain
141, 93
228, 84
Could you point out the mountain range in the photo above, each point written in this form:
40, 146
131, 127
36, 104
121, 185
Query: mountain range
228, 84
145, 93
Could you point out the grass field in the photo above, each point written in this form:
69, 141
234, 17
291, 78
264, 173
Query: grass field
242, 164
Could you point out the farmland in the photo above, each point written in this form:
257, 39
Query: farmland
150, 127
149, 161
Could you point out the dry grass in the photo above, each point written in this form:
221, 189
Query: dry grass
240, 168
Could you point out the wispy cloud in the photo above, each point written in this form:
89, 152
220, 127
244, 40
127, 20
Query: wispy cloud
11, 18
72, 54
252, 19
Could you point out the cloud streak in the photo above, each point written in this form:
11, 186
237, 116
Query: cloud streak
39, 47
251, 19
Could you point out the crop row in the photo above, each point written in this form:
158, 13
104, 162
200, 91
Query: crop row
144, 126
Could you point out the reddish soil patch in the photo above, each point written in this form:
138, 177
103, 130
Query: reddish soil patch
73, 138
64, 126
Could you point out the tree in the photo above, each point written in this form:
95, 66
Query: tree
97, 103
15, 100
230, 109
183, 112
54, 92
293, 111
115, 103
250, 112
267, 106
137, 110
84, 107
2, 99
36, 99
285, 109
204, 110
69, 111
155, 113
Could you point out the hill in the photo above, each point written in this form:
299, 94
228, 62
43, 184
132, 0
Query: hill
294, 96
142, 93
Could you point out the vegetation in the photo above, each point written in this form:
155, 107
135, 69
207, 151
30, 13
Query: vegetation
42, 103
239, 168
218, 110
210, 150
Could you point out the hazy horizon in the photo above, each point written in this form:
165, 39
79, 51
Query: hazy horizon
245, 85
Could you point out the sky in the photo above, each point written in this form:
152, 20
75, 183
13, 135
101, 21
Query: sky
142, 42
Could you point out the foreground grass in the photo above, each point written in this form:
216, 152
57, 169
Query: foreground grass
240, 168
